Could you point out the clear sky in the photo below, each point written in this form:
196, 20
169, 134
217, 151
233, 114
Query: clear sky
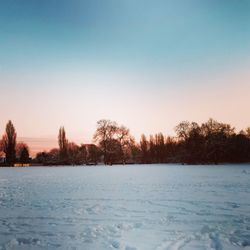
147, 64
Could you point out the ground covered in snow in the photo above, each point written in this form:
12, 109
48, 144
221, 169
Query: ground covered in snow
133, 207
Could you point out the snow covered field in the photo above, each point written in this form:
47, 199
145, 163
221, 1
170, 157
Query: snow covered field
134, 207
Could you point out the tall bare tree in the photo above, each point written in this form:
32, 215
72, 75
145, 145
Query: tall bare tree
9, 143
63, 144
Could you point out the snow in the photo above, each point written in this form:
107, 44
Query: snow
125, 207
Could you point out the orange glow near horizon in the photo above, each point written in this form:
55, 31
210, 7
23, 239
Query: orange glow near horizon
129, 99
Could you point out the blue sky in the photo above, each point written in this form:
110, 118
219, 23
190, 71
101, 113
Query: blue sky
179, 35
109, 53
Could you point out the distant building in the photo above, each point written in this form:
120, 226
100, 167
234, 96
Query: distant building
21, 165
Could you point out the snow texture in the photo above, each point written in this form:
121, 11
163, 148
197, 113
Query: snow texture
161, 207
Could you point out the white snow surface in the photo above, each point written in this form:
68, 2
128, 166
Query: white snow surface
125, 207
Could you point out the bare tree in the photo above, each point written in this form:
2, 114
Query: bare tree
93, 154
105, 136
73, 153
63, 144
125, 140
9, 143
22, 153
144, 146
182, 130
247, 132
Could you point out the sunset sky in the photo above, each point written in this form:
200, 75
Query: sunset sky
147, 64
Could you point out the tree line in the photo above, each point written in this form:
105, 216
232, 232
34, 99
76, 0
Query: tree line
211, 142
14, 152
